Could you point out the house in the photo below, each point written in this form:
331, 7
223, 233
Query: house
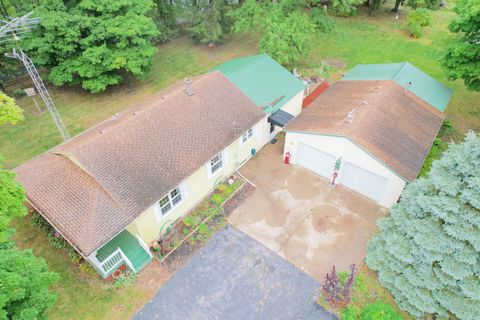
270, 86
372, 130
112, 189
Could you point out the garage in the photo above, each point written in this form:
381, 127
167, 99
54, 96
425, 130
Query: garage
363, 181
315, 160
381, 133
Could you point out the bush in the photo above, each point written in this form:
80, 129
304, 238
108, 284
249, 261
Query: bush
39, 222
87, 269
125, 279
422, 17
323, 23
74, 257
418, 19
57, 241
373, 311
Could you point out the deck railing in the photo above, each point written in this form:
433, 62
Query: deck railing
112, 261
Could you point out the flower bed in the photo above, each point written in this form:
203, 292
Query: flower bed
201, 223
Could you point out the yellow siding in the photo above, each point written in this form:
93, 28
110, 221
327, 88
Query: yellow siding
198, 185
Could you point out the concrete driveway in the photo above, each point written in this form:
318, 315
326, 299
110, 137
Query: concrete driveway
234, 277
296, 213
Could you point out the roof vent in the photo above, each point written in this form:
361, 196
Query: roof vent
189, 87
364, 102
378, 87
350, 115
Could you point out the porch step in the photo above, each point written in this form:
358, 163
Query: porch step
130, 247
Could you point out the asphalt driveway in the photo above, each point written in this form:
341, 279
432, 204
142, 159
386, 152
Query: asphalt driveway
296, 213
235, 277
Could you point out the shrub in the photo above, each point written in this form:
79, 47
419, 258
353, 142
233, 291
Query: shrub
217, 198
39, 222
422, 17
57, 241
74, 257
87, 269
373, 311
337, 289
379, 311
323, 23
125, 279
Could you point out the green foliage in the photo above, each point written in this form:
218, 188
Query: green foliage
12, 198
58, 241
346, 8
39, 222
372, 311
418, 19
208, 21
287, 38
428, 250
74, 257
323, 23
287, 30
125, 279
9, 111
217, 198
93, 43
87, 269
462, 58
24, 289
164, 14
430, 4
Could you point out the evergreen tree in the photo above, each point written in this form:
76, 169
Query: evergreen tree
95, 43
208, 21
428, 250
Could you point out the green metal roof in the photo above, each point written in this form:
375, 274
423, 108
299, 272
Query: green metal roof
263, 80
422, 85
130, 247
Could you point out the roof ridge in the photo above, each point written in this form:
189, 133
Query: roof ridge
397, 74
71, 158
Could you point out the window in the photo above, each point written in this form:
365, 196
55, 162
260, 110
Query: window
247, 135
216, 163
170, 201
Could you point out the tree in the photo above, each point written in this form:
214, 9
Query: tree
12, 198
208, 21
462, 59
165, 18
428, 250
9, 111
287, 30
287, 39
24, 289
93, 43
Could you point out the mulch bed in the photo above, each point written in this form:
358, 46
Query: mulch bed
183, 254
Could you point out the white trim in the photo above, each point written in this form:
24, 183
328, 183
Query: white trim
224, 155
248, 135
144, 245
159, 215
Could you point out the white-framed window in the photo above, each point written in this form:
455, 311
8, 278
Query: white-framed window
217, 163
247, 135
170, 201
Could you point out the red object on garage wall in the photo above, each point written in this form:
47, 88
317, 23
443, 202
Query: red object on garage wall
315, 93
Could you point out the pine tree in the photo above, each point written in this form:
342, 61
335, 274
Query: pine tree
428, 250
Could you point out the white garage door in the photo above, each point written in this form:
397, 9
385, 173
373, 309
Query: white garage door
313, 159
363, 181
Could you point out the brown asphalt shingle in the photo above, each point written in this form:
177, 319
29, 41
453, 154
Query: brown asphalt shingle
390, 123
96, 184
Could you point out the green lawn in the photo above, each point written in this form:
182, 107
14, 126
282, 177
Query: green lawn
356, 40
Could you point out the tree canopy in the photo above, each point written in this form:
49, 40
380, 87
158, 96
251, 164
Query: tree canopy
428, 250
9, 110
286, 30
462, 59
93, 43
25, 281
208, 21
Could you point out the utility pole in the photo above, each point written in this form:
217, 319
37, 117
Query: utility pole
12, 28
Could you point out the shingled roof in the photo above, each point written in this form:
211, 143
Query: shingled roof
393, 125
93, 186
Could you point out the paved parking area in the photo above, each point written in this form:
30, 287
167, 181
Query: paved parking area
234, 277
296, 213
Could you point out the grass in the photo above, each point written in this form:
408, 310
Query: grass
80, 295
356, 40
